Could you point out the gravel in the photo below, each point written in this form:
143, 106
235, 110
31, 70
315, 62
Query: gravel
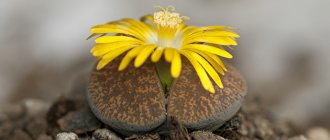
250, 123
67, 136
104, 134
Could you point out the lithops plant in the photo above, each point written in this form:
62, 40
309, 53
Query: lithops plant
142, 96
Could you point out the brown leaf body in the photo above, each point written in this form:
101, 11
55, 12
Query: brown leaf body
133, 102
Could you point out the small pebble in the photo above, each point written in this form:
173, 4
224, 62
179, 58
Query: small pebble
67, 136
154, 136
60, 108
35, 107
104, 134
205, 135
318, 133
264, 129
37, 127
301, 137
81, 121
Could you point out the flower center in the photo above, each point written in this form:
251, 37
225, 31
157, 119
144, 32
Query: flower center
168, 23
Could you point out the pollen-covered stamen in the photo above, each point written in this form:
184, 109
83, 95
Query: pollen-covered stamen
167, 21
165, 18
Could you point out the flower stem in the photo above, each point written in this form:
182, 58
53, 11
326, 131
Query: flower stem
163, 71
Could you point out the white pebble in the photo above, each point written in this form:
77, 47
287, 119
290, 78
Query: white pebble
105, 134
67, 136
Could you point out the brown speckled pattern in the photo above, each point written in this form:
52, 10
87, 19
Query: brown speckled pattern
131, 100
195, 107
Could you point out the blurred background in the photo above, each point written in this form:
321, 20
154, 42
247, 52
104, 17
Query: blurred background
283, 52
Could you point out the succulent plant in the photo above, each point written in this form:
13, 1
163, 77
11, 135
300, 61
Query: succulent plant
134, 101
143, 96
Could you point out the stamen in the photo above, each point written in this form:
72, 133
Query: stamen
168, 22
167, 17
170, 8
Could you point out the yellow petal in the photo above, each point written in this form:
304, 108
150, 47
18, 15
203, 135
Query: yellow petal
197, 30
207, 84
129, 56
169, 53
217, 59
209, 69
214, 34
98, 57
117, 27
213, 40
143, 55
207, 48
212, 89
105, 45
124, 63
189, 30
210, 28
101, 49
93, 35
222, 33
140, 25
99, 30
156, 55
104, 50
110, 39
110, 56
148, 18
214, 63
111, 25
176, 65
111, 30
181, 28
143, 29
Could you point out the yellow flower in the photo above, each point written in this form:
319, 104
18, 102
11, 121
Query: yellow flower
165, 34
